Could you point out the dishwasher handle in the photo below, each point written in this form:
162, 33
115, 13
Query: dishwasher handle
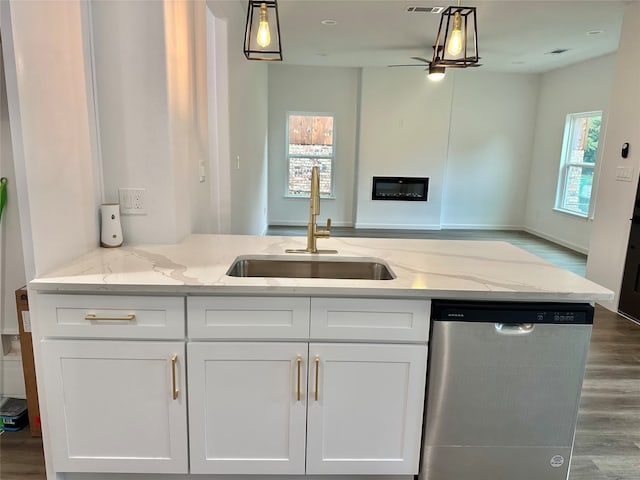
514, 328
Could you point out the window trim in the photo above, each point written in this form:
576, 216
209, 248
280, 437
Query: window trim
331, 194
565, 164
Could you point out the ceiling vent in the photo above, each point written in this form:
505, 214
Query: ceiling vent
421, 9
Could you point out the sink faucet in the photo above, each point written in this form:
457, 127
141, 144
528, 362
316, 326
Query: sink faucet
314, 210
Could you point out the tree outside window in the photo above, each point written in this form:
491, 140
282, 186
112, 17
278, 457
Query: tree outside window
577, 167
310, 142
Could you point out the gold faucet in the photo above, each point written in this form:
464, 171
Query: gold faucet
314, 210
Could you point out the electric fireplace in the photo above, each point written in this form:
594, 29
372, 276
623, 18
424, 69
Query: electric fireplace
413, 189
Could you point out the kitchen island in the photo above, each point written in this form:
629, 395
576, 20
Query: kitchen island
293, 376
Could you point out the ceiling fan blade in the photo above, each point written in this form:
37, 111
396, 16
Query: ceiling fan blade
463, 66
420, 59
409, 65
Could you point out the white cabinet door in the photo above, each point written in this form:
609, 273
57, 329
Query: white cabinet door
245, 414
111, 406
367, 415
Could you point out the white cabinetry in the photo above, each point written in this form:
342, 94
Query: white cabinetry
112, 406
254, 407
367, 415
272, 387
248, 318
247, 407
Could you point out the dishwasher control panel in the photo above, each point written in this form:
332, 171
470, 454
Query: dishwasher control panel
513, 312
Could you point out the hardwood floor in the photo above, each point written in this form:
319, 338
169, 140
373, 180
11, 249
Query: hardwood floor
607, 443
554, 253
21, 456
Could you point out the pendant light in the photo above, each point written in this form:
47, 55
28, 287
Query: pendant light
262, 31
457, 40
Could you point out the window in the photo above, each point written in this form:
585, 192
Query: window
310, 142
579, 153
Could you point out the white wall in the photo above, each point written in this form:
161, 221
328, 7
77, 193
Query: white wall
490, 142
614, 200
203, 210
51, 128
317, 90
583, 87
247, 124
470, 134
404, 130
12, 274
144, 64
180, 30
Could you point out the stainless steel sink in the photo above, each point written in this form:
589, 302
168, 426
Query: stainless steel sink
296, 267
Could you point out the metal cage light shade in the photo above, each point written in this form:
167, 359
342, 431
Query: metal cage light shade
262, 31
468, 31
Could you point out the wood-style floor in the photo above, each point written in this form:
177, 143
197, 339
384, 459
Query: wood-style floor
607, 444
554, 253
21, 456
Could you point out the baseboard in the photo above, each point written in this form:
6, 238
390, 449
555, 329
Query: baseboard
321, 223
396, 226
628, 317
559, 241
477, 226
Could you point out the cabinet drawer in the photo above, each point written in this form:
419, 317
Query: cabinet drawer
247, 317
107, 316
370, 319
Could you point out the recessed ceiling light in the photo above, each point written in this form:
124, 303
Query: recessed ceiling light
595, 32
329, 22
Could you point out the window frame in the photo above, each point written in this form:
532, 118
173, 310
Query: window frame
566, 164
288, 157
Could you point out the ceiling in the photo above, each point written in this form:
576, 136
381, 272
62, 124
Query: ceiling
513, 36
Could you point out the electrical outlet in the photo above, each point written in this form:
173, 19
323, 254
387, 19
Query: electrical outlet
132, 201
137, 202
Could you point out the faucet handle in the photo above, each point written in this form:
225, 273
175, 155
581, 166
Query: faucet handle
325, 232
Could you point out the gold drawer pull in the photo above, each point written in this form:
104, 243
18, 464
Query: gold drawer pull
93, 316
317, 369
299, 362
174, 361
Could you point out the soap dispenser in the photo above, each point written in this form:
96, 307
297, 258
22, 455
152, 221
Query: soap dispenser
110, 230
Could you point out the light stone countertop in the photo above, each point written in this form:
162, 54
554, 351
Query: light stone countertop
442, 269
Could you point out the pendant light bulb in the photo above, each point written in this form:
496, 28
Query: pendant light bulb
264, 35
455, 41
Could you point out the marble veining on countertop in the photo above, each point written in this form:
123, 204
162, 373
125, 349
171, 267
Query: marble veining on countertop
461, 269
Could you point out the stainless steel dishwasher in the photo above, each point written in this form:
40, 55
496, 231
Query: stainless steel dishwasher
503, 390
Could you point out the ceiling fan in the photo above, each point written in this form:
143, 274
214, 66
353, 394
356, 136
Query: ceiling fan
427, 63
435, 70
459, 62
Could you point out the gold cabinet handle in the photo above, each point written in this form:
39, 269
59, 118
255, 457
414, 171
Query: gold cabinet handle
93, 316
299, 362
174, 361
317, 360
